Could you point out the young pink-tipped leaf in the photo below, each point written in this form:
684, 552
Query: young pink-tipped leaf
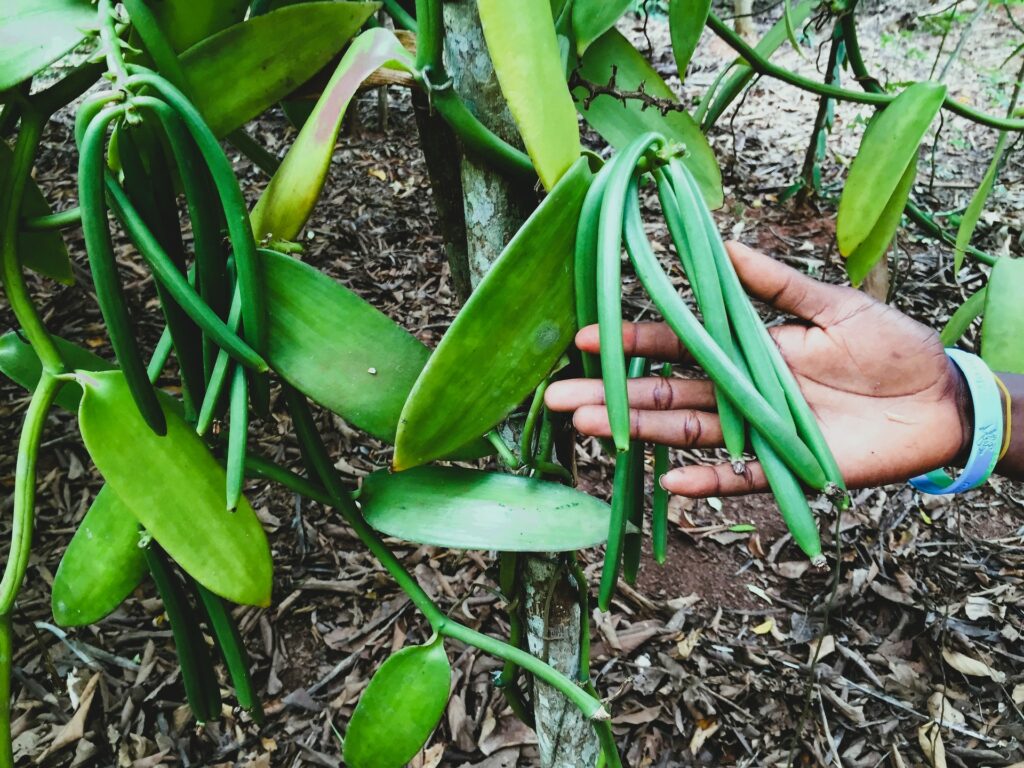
288, 200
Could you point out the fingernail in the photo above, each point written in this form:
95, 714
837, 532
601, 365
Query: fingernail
676, 472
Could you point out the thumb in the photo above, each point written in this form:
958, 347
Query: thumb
790, 291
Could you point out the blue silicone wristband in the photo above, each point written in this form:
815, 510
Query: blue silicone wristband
988, 430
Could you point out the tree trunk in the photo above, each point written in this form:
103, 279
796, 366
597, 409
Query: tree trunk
495, 207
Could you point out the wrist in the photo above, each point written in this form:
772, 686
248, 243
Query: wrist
1011, 463
965, 414
982, 421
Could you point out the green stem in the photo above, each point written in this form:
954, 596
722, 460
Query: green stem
853, 55
929, 225
317, 457
25, 489
6, 662
21, 543
62, 219
761, 65
261, 157
14, 281
430, 37
111, 43
588, 704
504, 452
530, 426
258, 467
401, 16
477, 138
316, 454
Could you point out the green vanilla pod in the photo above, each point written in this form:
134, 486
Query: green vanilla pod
659, 496
806, 422
147, 182
197, 674
723, 371
103, 266
177, 284
632, 546
585, 265
682, 215
609, 297
232, 648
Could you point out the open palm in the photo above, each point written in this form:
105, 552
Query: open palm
889, 401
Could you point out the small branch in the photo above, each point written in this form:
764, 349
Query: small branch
761, 65
664, 106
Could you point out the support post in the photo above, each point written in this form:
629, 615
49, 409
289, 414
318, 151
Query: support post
495, 207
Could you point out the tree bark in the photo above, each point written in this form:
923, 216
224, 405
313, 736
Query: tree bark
495, 207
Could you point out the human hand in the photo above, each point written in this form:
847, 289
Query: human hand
890, 403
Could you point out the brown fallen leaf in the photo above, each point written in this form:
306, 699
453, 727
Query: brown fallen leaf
74, 729
930, 738
972, 667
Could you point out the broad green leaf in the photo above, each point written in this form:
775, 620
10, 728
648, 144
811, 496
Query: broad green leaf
524, 49
288, 200
341, 351
175, 488
399, 708
876, 243
1003, 326
337, 349
961, 320
42, 252
102, 564
505, 339
469, 509
686, 23
241, 71
879, 170
620, 123
19, 362
35, 33
977, 204
187, 22
592, 18
742, 73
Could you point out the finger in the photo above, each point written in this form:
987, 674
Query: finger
655, 393
652, 340
703, 480
786, 289
680, 428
